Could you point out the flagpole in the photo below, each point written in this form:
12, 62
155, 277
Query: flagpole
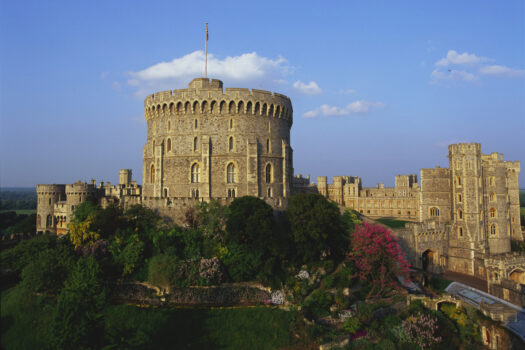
206, 53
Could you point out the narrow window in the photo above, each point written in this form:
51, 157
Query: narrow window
460, 214
267, 145
231, 123
152, 174
233, 193
196, 193
169, 125
460, 231
492, 212
493, 229
196, 123
459, 198
229, 193
195, 143
269, 193
195, 173
459, 180
165, 193
168, 145
230, 173
230, 144
268, 173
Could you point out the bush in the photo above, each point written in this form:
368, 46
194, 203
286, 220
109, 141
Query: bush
318, 305
352, 325
316, 229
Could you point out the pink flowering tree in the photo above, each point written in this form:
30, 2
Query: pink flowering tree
421, 330
377, 258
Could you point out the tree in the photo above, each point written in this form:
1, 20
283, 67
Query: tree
78, 315
377, 257
316, 228
253, 238
83, 232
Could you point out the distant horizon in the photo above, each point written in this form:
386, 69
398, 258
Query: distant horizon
378, 89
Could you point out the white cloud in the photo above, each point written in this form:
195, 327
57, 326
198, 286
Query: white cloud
357, 107
502, 71
308, 89
459, 75
454, 58
246, 68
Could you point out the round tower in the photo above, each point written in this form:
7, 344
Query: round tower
206, 142
47, 197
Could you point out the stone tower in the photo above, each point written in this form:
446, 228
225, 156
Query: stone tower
208, 143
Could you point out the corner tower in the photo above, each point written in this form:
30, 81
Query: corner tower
211, 143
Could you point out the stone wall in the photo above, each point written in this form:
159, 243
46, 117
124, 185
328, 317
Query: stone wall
208, 143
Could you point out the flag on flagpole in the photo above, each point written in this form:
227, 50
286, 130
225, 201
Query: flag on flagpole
206, 31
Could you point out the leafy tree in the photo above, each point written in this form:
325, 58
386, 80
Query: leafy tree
377, 257
212, 218
316, 228
49, 270
24, 224
241, 262
84, 210
129, 256
78, 317
162, 270
252, 233
24, 252
84, 232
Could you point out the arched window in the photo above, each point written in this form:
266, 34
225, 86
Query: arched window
231, 173
249, 107
270, 112
195, 107
195, 173
152, 174
460, 214
169, 125
257, 108
168, 145
195, 143
493, 212
240, 107
492, 197
277, 111
222, 107
434, 211
49, 221
213, 107
172, 107
204, 107
187, 107
493, 229
267, 145
268, 173
264, 109
179, 107
231, 108
230, 144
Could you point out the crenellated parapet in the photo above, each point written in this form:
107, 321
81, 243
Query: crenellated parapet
208, 97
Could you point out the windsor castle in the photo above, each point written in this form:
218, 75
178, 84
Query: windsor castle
209, 143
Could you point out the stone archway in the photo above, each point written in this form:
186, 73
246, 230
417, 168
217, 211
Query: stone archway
517, 276
427, 259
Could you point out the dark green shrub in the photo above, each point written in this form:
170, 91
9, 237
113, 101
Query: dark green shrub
317, 305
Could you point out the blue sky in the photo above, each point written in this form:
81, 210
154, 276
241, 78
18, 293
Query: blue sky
379, 88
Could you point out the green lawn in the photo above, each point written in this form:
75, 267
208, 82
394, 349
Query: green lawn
20, 211
24, 322
392, 223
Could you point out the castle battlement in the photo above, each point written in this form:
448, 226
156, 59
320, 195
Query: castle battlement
473, 147
203, 97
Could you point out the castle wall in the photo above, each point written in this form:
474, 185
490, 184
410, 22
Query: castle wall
204, 127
